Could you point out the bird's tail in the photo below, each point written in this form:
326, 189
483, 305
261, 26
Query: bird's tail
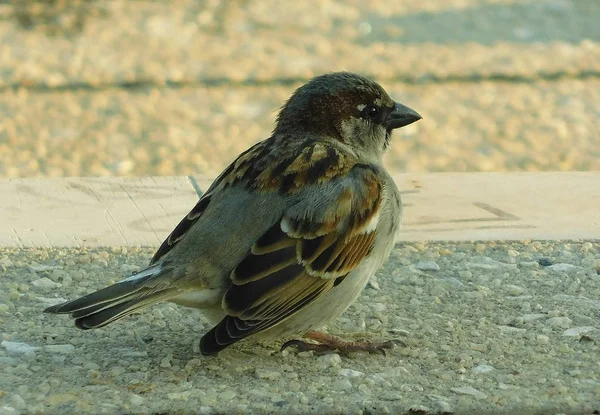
116, 301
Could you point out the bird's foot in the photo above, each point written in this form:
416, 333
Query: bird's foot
326, 342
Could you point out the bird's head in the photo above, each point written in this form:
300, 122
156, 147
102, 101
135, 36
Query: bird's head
345, 107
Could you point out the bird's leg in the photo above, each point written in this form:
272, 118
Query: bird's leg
327, 342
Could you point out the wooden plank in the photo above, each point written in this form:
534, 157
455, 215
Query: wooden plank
115, 211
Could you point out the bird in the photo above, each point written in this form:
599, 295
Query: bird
288, 235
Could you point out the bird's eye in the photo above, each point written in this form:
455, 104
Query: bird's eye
370, 111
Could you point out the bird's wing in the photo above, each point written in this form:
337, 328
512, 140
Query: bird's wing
229, 176
262, 168
309, 251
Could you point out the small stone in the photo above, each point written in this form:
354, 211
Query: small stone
427, 266
544, 262
91, 366
529, 264
578, 331
307, 353
443, 407
562, 267
511, 329
116, 371
227, 395
483, 368
378, 307
533, 317
468, 390
45, 282
266, 374
16, 402
43, 268
58, 275
465, 275
587, 246
542, 338
6, 262
514, 289
180, 396
136, 400
4, 308
19, 348
60, 348
349, 373
583, 320
165, 362
129, 268
341, 385
329, 360
373, 284
479, 347
560, 322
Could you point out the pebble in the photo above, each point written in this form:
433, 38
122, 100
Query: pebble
60, 348
341, 385
329, 360
560, 322
6, 262
45, 282
136, 400
129, 268
350, 373
378, 307
468, 390
43, 267
227, 395
514, 289
578, 331
180, 396
427, 266
533, 316
443, 407
483, 368
267, 374
373, 284
562, 267
59, 275
19, 348
165, 362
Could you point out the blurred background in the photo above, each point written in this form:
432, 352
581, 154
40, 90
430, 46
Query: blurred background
175, 87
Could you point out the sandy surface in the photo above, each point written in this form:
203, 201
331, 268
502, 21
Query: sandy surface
177, 88
484, 328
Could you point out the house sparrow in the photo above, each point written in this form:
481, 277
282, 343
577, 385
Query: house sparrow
286, 238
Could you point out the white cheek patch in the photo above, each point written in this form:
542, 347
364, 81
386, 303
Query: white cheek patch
361, 107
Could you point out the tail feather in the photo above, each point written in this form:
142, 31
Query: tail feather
114, 302
106, 315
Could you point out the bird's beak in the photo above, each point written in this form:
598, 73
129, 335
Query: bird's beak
401, 116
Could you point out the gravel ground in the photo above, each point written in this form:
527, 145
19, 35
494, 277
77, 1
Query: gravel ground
488, 126
140, 88
493, 327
